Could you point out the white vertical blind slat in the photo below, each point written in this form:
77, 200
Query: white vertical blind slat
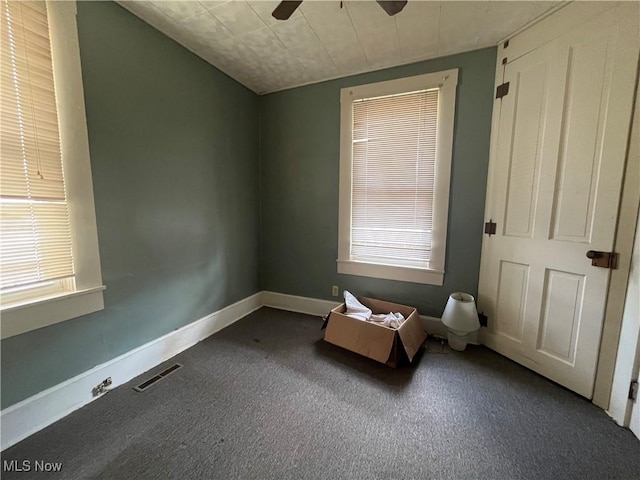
394, 150
35, 242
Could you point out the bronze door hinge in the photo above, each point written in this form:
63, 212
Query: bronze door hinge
502, 90
490, 227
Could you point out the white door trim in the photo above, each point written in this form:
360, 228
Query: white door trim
622, 326
556, 23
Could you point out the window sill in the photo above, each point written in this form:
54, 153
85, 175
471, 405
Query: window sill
391, 272
22, 317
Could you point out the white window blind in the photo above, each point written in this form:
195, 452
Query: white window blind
35, 243
393, 174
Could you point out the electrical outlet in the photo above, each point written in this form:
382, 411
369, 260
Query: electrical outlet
334, 291
101, 387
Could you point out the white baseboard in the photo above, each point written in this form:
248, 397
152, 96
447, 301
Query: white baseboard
27, 417
316, 306
41, 410
293, 303
433, 326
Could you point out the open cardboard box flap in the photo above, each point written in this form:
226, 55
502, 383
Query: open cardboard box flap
412, 335
374, 340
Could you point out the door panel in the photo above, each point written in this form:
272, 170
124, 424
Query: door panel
512, 293
580, 154
561, 318
530, 96
554, 186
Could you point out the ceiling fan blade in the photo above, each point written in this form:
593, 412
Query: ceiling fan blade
392, 6
285, 9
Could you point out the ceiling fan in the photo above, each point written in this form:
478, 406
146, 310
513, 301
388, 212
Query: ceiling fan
286, 8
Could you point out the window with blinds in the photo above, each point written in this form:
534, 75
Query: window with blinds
35, 246
396, 143
393, 171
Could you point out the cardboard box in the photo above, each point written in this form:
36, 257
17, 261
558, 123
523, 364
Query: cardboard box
383, 344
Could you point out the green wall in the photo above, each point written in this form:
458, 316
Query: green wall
174, 156
300, 157
206, 193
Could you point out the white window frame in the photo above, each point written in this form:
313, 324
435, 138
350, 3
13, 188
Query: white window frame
447, 82
87, 297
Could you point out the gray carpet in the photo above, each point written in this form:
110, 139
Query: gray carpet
266, 398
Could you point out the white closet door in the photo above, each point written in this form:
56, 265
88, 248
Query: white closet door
554, 187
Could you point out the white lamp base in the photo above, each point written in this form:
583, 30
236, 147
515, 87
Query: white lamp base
458, 342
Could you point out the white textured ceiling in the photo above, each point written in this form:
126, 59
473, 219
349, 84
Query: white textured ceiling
322, 41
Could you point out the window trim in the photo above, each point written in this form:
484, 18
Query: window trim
447, 82
26, 315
